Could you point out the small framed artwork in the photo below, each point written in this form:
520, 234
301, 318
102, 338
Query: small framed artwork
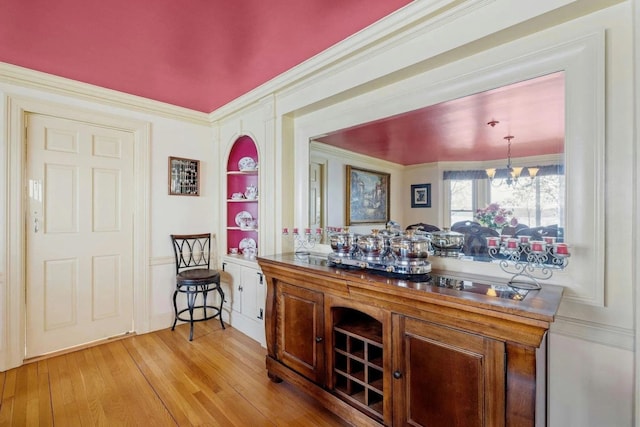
421, 196
184, 177
367, 196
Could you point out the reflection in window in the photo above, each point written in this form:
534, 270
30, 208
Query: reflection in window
461, 196
535, 203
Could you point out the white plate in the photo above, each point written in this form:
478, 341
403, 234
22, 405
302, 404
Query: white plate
242, 215
247, 164
247, 243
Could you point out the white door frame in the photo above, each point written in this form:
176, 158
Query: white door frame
13, 332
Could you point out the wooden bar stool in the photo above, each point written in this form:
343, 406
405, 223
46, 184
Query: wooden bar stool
194, 278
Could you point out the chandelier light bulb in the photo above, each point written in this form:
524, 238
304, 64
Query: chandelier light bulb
515, 172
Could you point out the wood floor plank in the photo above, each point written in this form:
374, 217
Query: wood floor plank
67, 408
43, 399
158, 379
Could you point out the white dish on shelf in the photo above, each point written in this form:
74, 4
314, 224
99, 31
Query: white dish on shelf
247, 245
243, 218
247, 164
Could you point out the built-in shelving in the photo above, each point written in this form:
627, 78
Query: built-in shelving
237, 182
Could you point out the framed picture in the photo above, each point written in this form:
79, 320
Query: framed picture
367, 196
421, 196
184, 177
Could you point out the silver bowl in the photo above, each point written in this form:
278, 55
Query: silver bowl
410, 245
372, 245
344, 243
446, 240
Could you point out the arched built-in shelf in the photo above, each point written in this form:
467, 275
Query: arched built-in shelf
238, 182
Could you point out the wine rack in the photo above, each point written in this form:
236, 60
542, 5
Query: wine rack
358, 366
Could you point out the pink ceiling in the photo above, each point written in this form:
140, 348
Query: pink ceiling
198, 54
531, 111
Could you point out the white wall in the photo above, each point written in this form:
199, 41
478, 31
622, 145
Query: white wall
591, 383
423, 174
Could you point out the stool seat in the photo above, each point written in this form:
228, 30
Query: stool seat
198, 276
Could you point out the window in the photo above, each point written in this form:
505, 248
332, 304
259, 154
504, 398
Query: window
538, 202
461, 196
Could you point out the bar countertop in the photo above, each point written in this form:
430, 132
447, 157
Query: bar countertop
486, 294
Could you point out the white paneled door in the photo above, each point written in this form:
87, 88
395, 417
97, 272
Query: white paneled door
316, 195
79, 233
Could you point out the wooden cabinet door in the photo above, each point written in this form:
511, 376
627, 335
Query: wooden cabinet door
300, 331
231, 286
446, 377
252, 293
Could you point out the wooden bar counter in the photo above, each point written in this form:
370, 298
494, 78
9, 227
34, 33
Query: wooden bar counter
434, 351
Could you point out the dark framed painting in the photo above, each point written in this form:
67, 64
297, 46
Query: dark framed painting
184, 177
367, 196
421, 196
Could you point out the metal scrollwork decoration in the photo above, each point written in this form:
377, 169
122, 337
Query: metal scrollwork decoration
528, 261
304, 242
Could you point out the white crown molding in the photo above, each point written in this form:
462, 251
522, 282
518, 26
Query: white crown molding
38, 80
331, 151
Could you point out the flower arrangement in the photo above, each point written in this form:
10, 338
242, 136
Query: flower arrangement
493, 216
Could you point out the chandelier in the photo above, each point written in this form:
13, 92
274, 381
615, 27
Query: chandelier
513, 172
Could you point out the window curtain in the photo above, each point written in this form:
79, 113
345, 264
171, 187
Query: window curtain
502, 173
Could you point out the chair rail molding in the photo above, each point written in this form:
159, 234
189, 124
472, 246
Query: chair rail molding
595, 332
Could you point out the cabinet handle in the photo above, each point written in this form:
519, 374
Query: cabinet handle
240, 288
319, 339
224, 264
397, 375
260, 274
261, 314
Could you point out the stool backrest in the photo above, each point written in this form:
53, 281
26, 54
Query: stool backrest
191, 250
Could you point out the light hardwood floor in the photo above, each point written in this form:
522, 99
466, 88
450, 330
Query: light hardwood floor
158, 379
